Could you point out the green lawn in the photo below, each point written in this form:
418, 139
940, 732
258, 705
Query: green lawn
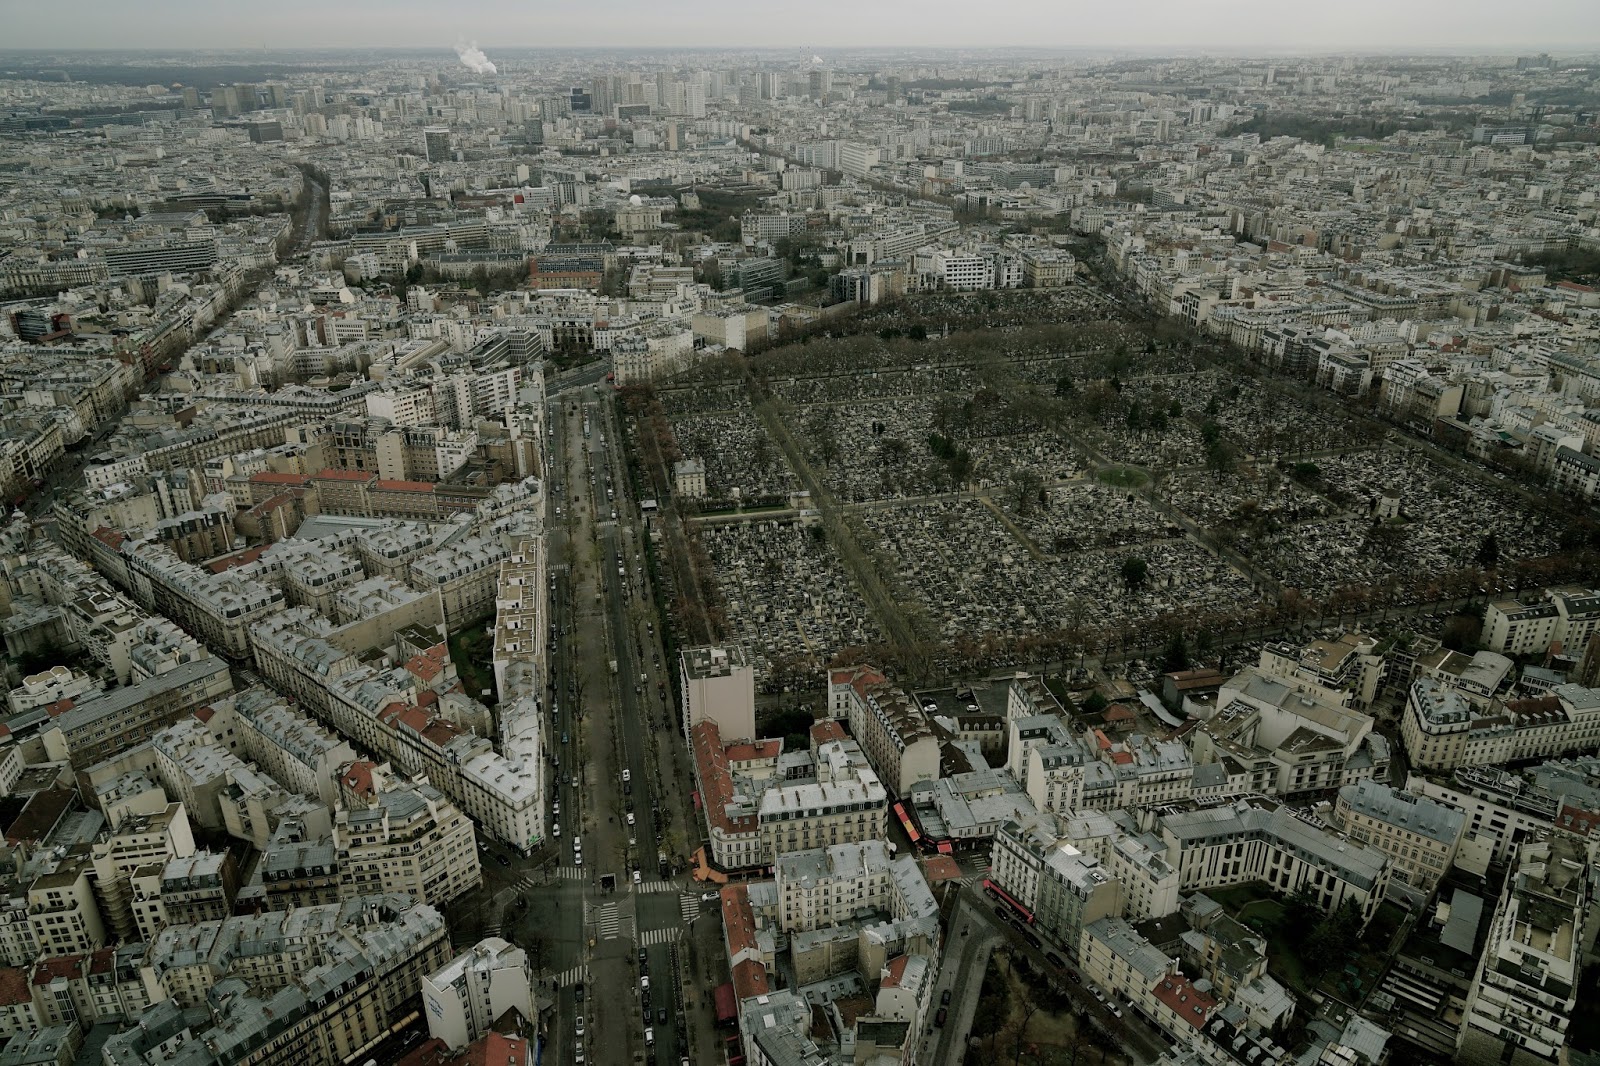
1123, 477
1235, 897
472, 653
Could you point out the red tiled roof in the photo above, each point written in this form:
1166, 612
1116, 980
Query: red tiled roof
1186, 1001
495, 1049
69, 966
761, 749
750, 979
1122, 758
273, 477
205, 714
895, 971
940, 868
858, 677
738, 921
357, 776
825, 731
228, 562
716, 783
404, 486
331, 474
112, 538
14, 986
424, 667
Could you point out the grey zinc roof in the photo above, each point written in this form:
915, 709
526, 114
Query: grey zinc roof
1416, 813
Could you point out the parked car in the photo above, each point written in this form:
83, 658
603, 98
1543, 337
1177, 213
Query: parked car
944, 1000
938, 1019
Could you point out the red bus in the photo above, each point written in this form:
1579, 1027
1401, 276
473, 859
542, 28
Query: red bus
1001, 894
905, 822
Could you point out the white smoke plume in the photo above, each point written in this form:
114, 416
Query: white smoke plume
816, 59
473, 59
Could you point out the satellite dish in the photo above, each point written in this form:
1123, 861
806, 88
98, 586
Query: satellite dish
636, 199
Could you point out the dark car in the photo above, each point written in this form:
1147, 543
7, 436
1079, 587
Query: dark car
944, 1000
661, 1016
1055, 960
503, 860
1030, 938
1001, 913
938, 1019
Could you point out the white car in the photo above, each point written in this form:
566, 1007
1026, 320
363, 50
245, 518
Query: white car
555, 829
555, 807
627, 775
649, 1037
577, 860
577, 843
579, 1029
636, 877
630, 817
644, 983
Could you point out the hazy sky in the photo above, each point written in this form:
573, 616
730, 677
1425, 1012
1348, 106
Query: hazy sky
816, 24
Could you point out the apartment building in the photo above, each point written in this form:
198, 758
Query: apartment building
195, 888
718, 684
110, 985
1115, 957
846, 803
410, 841
393, 713
466, 575
1515, 628
830, 886
297, 751
892, 728
137, 841
317, 984
107, 724
464, 998
1039, 869
1444, 728
521, 666
1341, 671
1564, 617
62, 909
1284, 740
732, 828
1419, 835
1526, 987
1216, 846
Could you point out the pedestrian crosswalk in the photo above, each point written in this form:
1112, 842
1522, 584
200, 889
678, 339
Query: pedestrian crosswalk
575, 976
572, 873
651, 937
689, 906
656, 886
607, 920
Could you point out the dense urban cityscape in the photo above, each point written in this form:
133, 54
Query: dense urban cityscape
799, 557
